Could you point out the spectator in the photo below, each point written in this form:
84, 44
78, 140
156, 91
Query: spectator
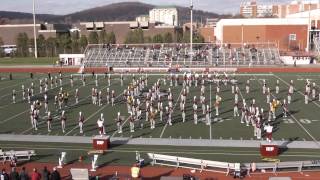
23, 174
55, 174
35, 175
14, 174
4, 175
45, 173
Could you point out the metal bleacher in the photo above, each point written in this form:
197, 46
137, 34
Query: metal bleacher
163, 55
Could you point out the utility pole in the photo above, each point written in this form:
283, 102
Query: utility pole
34, 30
191, 32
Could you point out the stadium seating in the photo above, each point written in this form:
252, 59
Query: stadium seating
164, 55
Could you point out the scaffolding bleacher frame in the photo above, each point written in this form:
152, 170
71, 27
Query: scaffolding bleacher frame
175, 54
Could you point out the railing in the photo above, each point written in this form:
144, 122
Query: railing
225, 167
159, 55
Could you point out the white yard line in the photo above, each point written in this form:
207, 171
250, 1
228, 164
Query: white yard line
69, 106
295, 89
98, 111
165, 126
17, 115
291, 115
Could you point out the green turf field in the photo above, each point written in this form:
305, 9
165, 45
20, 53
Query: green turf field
28, 61
301, 125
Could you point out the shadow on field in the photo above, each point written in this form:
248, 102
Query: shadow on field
284, 146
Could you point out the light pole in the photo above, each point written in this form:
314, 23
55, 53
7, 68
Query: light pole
191, 32
34, 29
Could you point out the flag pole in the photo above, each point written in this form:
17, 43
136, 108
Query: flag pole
34, 29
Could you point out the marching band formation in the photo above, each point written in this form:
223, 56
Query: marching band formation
157, 103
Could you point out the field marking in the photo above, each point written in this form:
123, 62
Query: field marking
165, 126
18, 84
21, 100
291, 115
43, 122
17, 115
295, 89
68, 106
32, 81
115, 132
98, 111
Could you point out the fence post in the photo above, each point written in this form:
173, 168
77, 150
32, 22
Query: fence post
300, 167
154, 160
177, 166
275, 167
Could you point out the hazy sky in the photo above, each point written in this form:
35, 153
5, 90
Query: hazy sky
68, 6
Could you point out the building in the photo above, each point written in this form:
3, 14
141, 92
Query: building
166, 16
10, 32
122, 28
251, 9
287, 33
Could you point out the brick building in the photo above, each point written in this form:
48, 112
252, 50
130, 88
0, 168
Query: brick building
287, 34
122, 28
9, 32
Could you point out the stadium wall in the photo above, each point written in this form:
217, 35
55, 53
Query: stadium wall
103, 70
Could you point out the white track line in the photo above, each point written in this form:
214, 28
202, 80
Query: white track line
313, 138
165, 152
165, 126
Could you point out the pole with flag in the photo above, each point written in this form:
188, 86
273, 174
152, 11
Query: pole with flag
34, 29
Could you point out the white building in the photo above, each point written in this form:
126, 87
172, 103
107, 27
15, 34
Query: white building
252, 9
167, 16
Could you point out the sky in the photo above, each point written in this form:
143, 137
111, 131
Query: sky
62, 7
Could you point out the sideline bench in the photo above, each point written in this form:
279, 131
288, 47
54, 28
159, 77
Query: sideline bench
79, 174
202, 165
20, 155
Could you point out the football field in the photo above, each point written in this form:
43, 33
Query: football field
302, 124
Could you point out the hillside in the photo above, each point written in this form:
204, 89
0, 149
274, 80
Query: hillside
113, 12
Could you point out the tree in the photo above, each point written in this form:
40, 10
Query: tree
75, 47
148, 39
64, 43
167, 38
22, 42
157, 38
51, 44
93, 37
103, 37
135, 36
179, 36
41, 45
198, 38
111, 38
83, 42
